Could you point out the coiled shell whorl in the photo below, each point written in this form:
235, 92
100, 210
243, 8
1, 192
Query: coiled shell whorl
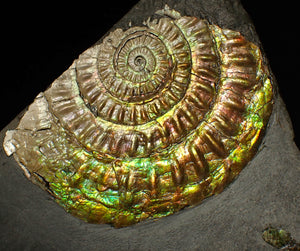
150, 120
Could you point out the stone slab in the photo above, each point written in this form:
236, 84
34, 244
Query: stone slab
265, 193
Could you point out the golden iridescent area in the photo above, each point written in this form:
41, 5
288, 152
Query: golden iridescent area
147, 122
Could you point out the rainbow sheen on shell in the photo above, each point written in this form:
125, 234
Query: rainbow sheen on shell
147, 122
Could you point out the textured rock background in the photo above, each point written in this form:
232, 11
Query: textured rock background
265, 193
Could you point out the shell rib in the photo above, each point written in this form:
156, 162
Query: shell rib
147, 122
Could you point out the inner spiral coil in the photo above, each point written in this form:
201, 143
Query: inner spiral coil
140, 68
139, 57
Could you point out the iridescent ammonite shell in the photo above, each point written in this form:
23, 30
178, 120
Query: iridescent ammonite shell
147, 122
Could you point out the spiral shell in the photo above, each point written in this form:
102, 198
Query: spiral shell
148, 121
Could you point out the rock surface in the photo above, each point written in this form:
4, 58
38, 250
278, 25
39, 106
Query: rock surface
265, 193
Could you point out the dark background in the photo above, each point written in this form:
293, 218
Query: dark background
40, 41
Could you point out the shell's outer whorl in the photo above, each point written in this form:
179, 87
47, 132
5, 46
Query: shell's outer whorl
151, 120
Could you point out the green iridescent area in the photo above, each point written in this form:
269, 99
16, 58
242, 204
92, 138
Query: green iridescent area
280, 239
84, 193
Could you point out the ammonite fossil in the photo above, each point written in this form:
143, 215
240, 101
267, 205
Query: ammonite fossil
152, 119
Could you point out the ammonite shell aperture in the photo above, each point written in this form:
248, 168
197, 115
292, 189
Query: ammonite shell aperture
150, 120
